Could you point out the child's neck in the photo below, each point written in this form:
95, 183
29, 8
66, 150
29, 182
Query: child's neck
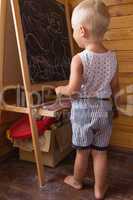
96, 47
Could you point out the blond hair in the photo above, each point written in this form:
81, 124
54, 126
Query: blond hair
94, 15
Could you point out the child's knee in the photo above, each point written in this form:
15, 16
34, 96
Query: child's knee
83, 154
96, 153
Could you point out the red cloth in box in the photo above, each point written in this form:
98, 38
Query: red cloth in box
21, 129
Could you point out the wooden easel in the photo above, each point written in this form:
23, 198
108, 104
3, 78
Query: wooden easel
28, 87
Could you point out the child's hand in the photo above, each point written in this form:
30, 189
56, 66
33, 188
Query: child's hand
58, 90
121, 101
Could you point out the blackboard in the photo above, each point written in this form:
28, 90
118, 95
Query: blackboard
46, 38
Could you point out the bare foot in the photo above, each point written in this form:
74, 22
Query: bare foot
100, 194
73, 183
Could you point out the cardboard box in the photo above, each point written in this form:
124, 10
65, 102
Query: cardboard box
57, 146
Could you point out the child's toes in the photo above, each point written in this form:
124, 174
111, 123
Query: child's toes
69, 180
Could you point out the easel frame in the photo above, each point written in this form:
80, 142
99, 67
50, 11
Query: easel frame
28, 87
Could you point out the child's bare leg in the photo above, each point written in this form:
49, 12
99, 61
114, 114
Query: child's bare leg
80, 169
100, 172
81, 165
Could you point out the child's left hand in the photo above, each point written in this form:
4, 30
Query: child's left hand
58, 90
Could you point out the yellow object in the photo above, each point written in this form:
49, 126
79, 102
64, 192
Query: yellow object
8, 135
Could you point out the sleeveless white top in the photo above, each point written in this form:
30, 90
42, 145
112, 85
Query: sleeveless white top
98, 71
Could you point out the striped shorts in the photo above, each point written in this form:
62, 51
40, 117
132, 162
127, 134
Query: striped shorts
91, 124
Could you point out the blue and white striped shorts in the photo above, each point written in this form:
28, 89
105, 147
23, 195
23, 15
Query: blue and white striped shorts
91, 123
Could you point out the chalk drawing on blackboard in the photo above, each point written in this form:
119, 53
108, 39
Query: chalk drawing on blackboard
46, 38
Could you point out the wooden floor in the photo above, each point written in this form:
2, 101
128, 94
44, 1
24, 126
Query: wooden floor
19, 182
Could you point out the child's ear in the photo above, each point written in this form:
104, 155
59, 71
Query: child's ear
82, 31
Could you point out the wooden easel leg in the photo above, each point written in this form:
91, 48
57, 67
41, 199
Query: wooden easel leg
3, 11
27, 86
70, 34
37, 152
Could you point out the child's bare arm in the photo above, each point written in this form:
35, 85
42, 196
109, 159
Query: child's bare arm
115, 89
75, 78
115, 85
118, 101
